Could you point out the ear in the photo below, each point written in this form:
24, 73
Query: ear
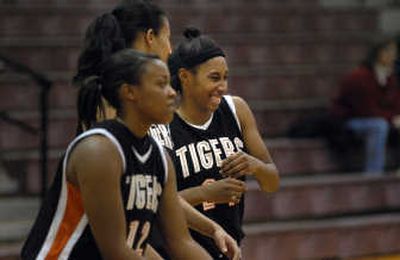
149, 37
129, 92
185, 76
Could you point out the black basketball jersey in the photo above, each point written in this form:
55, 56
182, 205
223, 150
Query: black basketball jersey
198, 153
62, 231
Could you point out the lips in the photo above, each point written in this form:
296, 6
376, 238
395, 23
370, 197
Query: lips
216, 99
172, 105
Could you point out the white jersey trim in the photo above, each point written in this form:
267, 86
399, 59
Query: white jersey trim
231, 105
61, 206
96, 131
55, 224
203, 126
66, 252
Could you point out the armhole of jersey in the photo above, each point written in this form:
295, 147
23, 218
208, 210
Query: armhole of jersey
231, 105
61, 207
164, 159
95, 131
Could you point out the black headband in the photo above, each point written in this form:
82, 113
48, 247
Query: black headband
205, 55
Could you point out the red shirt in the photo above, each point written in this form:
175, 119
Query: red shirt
360, 95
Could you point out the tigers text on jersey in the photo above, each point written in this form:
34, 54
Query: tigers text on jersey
198, 153
62, 231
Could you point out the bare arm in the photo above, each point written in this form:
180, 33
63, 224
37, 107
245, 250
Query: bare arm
258, 161
208, 227
173, 223
98, 179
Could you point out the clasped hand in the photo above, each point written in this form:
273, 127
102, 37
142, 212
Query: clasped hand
238, 164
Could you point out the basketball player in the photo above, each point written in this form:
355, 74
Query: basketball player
214, 137
143, 26
115, 177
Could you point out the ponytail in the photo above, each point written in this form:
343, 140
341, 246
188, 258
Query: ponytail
89, 103
106, 35
102, 39
125, 66
114, 31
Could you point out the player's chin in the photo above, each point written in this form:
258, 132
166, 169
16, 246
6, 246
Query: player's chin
213, 106
214, 103
166, 119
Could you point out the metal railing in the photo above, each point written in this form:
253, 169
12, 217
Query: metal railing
45, 85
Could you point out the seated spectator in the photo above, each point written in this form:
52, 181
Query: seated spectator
368, 102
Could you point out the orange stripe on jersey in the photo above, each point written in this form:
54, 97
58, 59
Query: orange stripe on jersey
72, 216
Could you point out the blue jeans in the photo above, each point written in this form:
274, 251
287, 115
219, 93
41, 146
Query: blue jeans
375, 131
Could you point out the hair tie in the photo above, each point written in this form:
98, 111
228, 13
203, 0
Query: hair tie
98, 80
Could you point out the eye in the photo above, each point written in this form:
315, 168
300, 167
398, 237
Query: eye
214, 77
162, 84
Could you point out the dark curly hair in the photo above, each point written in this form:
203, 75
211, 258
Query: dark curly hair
115, 31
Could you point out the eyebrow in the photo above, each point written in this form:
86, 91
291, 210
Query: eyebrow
217, 72
164, 77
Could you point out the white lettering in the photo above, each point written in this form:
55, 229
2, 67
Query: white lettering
131, 198
207, 154
140, 192
195, 160
143, 192
217, 151
227, 146
149, 189
162, 134
206, 158
239, 143
181, 153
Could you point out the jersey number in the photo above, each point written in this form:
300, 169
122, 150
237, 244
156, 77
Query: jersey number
133, 230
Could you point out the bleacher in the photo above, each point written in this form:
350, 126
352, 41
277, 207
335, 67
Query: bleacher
285, 57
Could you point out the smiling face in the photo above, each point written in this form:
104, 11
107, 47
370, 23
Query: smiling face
206, 85
155, 96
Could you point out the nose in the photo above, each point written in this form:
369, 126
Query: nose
171, 91
223, 87
169, 48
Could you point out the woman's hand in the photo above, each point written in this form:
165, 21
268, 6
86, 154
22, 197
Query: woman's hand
239, 164
226, 243
224, 191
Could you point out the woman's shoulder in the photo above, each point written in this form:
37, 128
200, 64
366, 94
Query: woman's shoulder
239, 108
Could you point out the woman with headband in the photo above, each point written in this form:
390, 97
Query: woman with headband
214, 137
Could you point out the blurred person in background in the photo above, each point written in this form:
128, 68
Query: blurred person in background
368, 102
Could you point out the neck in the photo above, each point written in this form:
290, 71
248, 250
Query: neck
192, 115
140, 45
135, 125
